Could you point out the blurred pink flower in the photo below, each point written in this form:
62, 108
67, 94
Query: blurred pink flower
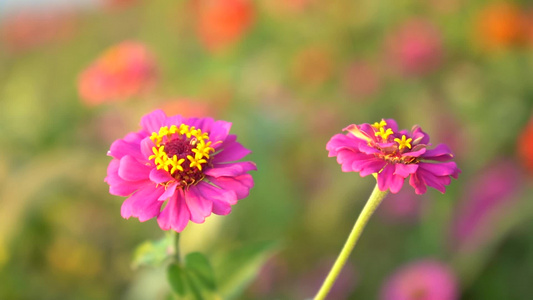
309, 283
493, 189
30, 29
402, 207
221, 23
123, 71
421, 280
361, 79
188, 163
415, 47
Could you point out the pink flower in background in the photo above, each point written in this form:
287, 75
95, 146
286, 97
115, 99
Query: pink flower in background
421, 280
402, 207
221, 23
393, 155
123, 71
188, 163
415, 47
493, 189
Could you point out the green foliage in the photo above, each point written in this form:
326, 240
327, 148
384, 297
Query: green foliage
153, 253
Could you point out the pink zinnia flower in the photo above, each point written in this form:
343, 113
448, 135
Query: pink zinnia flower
123, 71
422, 280
394, 155
189, 163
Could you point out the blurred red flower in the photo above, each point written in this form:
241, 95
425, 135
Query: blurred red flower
123, 71
30, 29
221, 23
525, 146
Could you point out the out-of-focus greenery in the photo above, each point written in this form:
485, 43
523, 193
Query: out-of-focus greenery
287, 84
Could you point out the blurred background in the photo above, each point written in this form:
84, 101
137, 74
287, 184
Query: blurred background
289, 74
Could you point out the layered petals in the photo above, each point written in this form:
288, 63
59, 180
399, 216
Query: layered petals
393, 155
172, 174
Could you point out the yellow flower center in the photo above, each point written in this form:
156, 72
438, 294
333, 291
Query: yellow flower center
182, 151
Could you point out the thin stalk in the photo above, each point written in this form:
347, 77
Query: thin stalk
371, 205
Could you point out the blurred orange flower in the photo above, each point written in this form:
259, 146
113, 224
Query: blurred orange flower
221, 23
500, 25
525, 146
30, 29
123, 71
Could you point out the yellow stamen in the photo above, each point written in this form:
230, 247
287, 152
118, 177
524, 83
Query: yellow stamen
384, 134
379, 125
403, 142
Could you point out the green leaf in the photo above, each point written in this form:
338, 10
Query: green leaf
237, 269
152, 253
200, 271
177, 278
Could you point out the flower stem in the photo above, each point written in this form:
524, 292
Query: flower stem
177, 257
371, 205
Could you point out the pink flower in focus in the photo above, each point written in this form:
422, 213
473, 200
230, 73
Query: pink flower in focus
123, 71
188, 164
220, 23
393, 155
492, 190
421, 280
415, 48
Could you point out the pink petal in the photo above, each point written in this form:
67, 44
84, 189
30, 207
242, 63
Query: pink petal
440, 153
117, 185
121, 148
146, 147
241, 185
372, 166
231, 152
131, 169
363, 147
153, 121
169, 191
441, 169
220, 131
385, 177
175, 215
405, 170
160, 176
232, 169
214, 193
143, 204
391, 123
339, 142
199, 207
396, 184
174, 120
205, 124
418, 184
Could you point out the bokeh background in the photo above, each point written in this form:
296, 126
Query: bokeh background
289, 74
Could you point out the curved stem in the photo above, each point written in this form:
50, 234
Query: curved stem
371, 205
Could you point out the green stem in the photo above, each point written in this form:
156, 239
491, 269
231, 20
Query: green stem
177, 257
371, 205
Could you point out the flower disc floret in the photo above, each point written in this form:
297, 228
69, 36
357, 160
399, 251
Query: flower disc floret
394, 155
182, 151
